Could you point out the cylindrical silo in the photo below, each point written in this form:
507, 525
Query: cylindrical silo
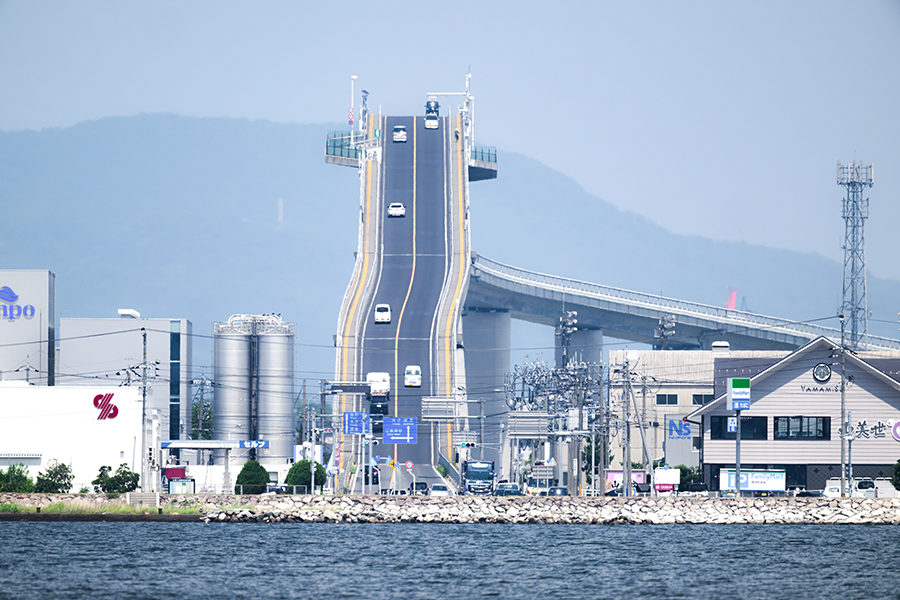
275, 380
231, 407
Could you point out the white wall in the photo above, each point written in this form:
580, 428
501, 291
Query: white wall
62, 423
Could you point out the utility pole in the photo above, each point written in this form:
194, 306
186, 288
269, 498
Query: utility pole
626, 436
145, 458
843, 428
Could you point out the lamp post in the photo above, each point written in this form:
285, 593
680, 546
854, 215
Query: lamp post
350, 119
843, 428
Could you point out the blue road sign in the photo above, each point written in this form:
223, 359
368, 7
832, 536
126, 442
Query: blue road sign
254, 444
355, 423
400, 430
741, 405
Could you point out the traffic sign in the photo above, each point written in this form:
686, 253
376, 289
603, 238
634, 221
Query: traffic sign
393, 464
355, 423
400, 430
254, 444
409, 465
377, 133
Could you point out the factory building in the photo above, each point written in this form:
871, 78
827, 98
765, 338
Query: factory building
85, 427
111, 351
27, 326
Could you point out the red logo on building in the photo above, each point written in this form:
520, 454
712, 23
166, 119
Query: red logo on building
108, 410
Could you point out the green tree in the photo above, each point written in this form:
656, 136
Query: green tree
895, 480
689, 475
595, 447
253, 478
16, 480
123, 480
57, 479
201, 419
299, 475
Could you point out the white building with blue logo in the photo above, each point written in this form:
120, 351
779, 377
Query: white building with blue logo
27, 326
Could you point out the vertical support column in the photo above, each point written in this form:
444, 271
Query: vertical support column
487, 340
585, 344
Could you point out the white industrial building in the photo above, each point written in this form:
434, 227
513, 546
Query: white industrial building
84, 427
111, 351
27, 326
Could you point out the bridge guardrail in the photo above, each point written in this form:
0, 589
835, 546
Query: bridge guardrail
484, 153
681, 307
345, 144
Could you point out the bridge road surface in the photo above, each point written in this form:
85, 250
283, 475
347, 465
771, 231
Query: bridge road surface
414, 262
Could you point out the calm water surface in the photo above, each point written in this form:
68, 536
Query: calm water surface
187, 560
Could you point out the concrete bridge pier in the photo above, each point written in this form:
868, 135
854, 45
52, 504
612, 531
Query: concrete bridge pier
586, 345
486, 336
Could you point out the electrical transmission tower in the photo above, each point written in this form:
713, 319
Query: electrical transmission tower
854, 306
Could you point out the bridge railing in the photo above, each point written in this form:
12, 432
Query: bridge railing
345, 144
647, 300
484, 153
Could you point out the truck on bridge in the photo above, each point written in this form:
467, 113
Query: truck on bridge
478, 477
432, 114
379, 395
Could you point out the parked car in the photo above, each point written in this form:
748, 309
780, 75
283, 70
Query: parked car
864, 488
810, 494
832, 491
696, 489
440, 489
419, 488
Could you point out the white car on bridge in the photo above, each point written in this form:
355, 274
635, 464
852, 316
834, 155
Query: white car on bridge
396, 209
413, 376
382, 313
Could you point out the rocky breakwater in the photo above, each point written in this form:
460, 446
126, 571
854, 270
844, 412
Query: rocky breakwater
567, 510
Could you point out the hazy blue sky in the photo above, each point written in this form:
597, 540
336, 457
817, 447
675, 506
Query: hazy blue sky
720, 119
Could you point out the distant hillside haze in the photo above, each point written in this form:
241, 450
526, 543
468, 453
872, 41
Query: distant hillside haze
204, 218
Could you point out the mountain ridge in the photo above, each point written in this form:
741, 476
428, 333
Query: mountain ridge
202, 218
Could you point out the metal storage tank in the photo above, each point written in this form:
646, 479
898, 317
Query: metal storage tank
232, 360
275, 384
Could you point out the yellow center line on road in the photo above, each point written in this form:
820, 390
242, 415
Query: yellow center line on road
412, 277
459, 278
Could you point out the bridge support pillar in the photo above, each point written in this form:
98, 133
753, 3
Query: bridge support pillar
586, 345
486, 335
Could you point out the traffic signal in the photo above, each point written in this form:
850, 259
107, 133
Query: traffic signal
374, 442
150, 455
467, 445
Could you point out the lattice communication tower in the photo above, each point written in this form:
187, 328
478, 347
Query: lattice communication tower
855, 177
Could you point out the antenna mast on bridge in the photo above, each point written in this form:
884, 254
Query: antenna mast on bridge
855, 177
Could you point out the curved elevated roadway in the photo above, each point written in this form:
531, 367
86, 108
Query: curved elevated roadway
634, 316
416, 264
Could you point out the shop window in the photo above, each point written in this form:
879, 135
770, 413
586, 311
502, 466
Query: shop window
752, 428
802, 428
